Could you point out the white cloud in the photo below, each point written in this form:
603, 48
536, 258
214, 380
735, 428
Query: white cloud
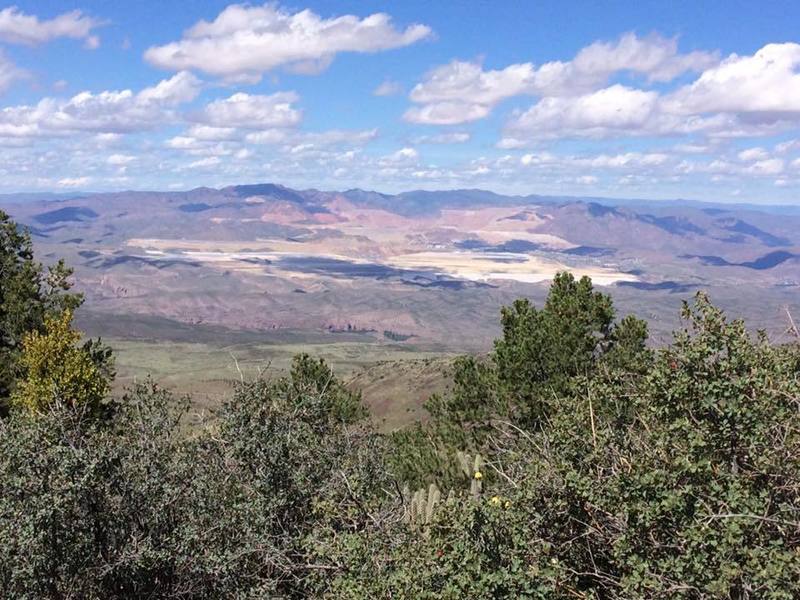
511, 143
210, 133
765, 85
388, 88
539, 158
107, 140
770, 166
8, 72
207, 140
92, 42
742, 97
461, 91
752, 154
692, 148
298, 141
180, 88
120, 159
404, 156
203, 163
615, 109
446, 113
654, 56
335, 137
182, 142
18, 28
71, 182
244, 42
253, 111
628, 159
104, 112
455, 137
460, 79
787, 146
268, 137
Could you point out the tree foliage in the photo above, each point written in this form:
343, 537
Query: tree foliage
57, 369
540, 357
28, 294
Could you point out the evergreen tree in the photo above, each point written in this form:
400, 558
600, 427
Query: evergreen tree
28, 294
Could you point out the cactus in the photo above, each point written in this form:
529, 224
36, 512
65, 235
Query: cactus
420, 510
472, 468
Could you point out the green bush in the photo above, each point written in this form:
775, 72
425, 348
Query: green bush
28, 294
131, 507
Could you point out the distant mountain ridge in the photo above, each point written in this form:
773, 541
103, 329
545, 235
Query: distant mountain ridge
413, 202
264, 256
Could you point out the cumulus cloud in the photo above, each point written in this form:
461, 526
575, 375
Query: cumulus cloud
268, 137
769, 166
244, 42
447, 113
17, 27
613, 109
180, 88
208, 133
404, 156
743, 96
654, 56
120, 160
253, 111
240, 125
462, 91
766, 86
753, 154
104, 112
336, 137
317, 140
628, 160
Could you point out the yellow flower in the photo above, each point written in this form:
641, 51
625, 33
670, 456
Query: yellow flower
507, 504
495, 500
478, 475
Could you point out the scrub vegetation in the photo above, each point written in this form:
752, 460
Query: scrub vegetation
574, 461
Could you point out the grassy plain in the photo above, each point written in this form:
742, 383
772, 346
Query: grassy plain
395, 378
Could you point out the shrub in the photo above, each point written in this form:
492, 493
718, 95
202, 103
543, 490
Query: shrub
56, 369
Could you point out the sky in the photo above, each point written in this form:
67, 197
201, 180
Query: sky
652, 100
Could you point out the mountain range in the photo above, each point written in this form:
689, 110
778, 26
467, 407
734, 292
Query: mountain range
428, 266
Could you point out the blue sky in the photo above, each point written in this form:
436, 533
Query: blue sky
624, 99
